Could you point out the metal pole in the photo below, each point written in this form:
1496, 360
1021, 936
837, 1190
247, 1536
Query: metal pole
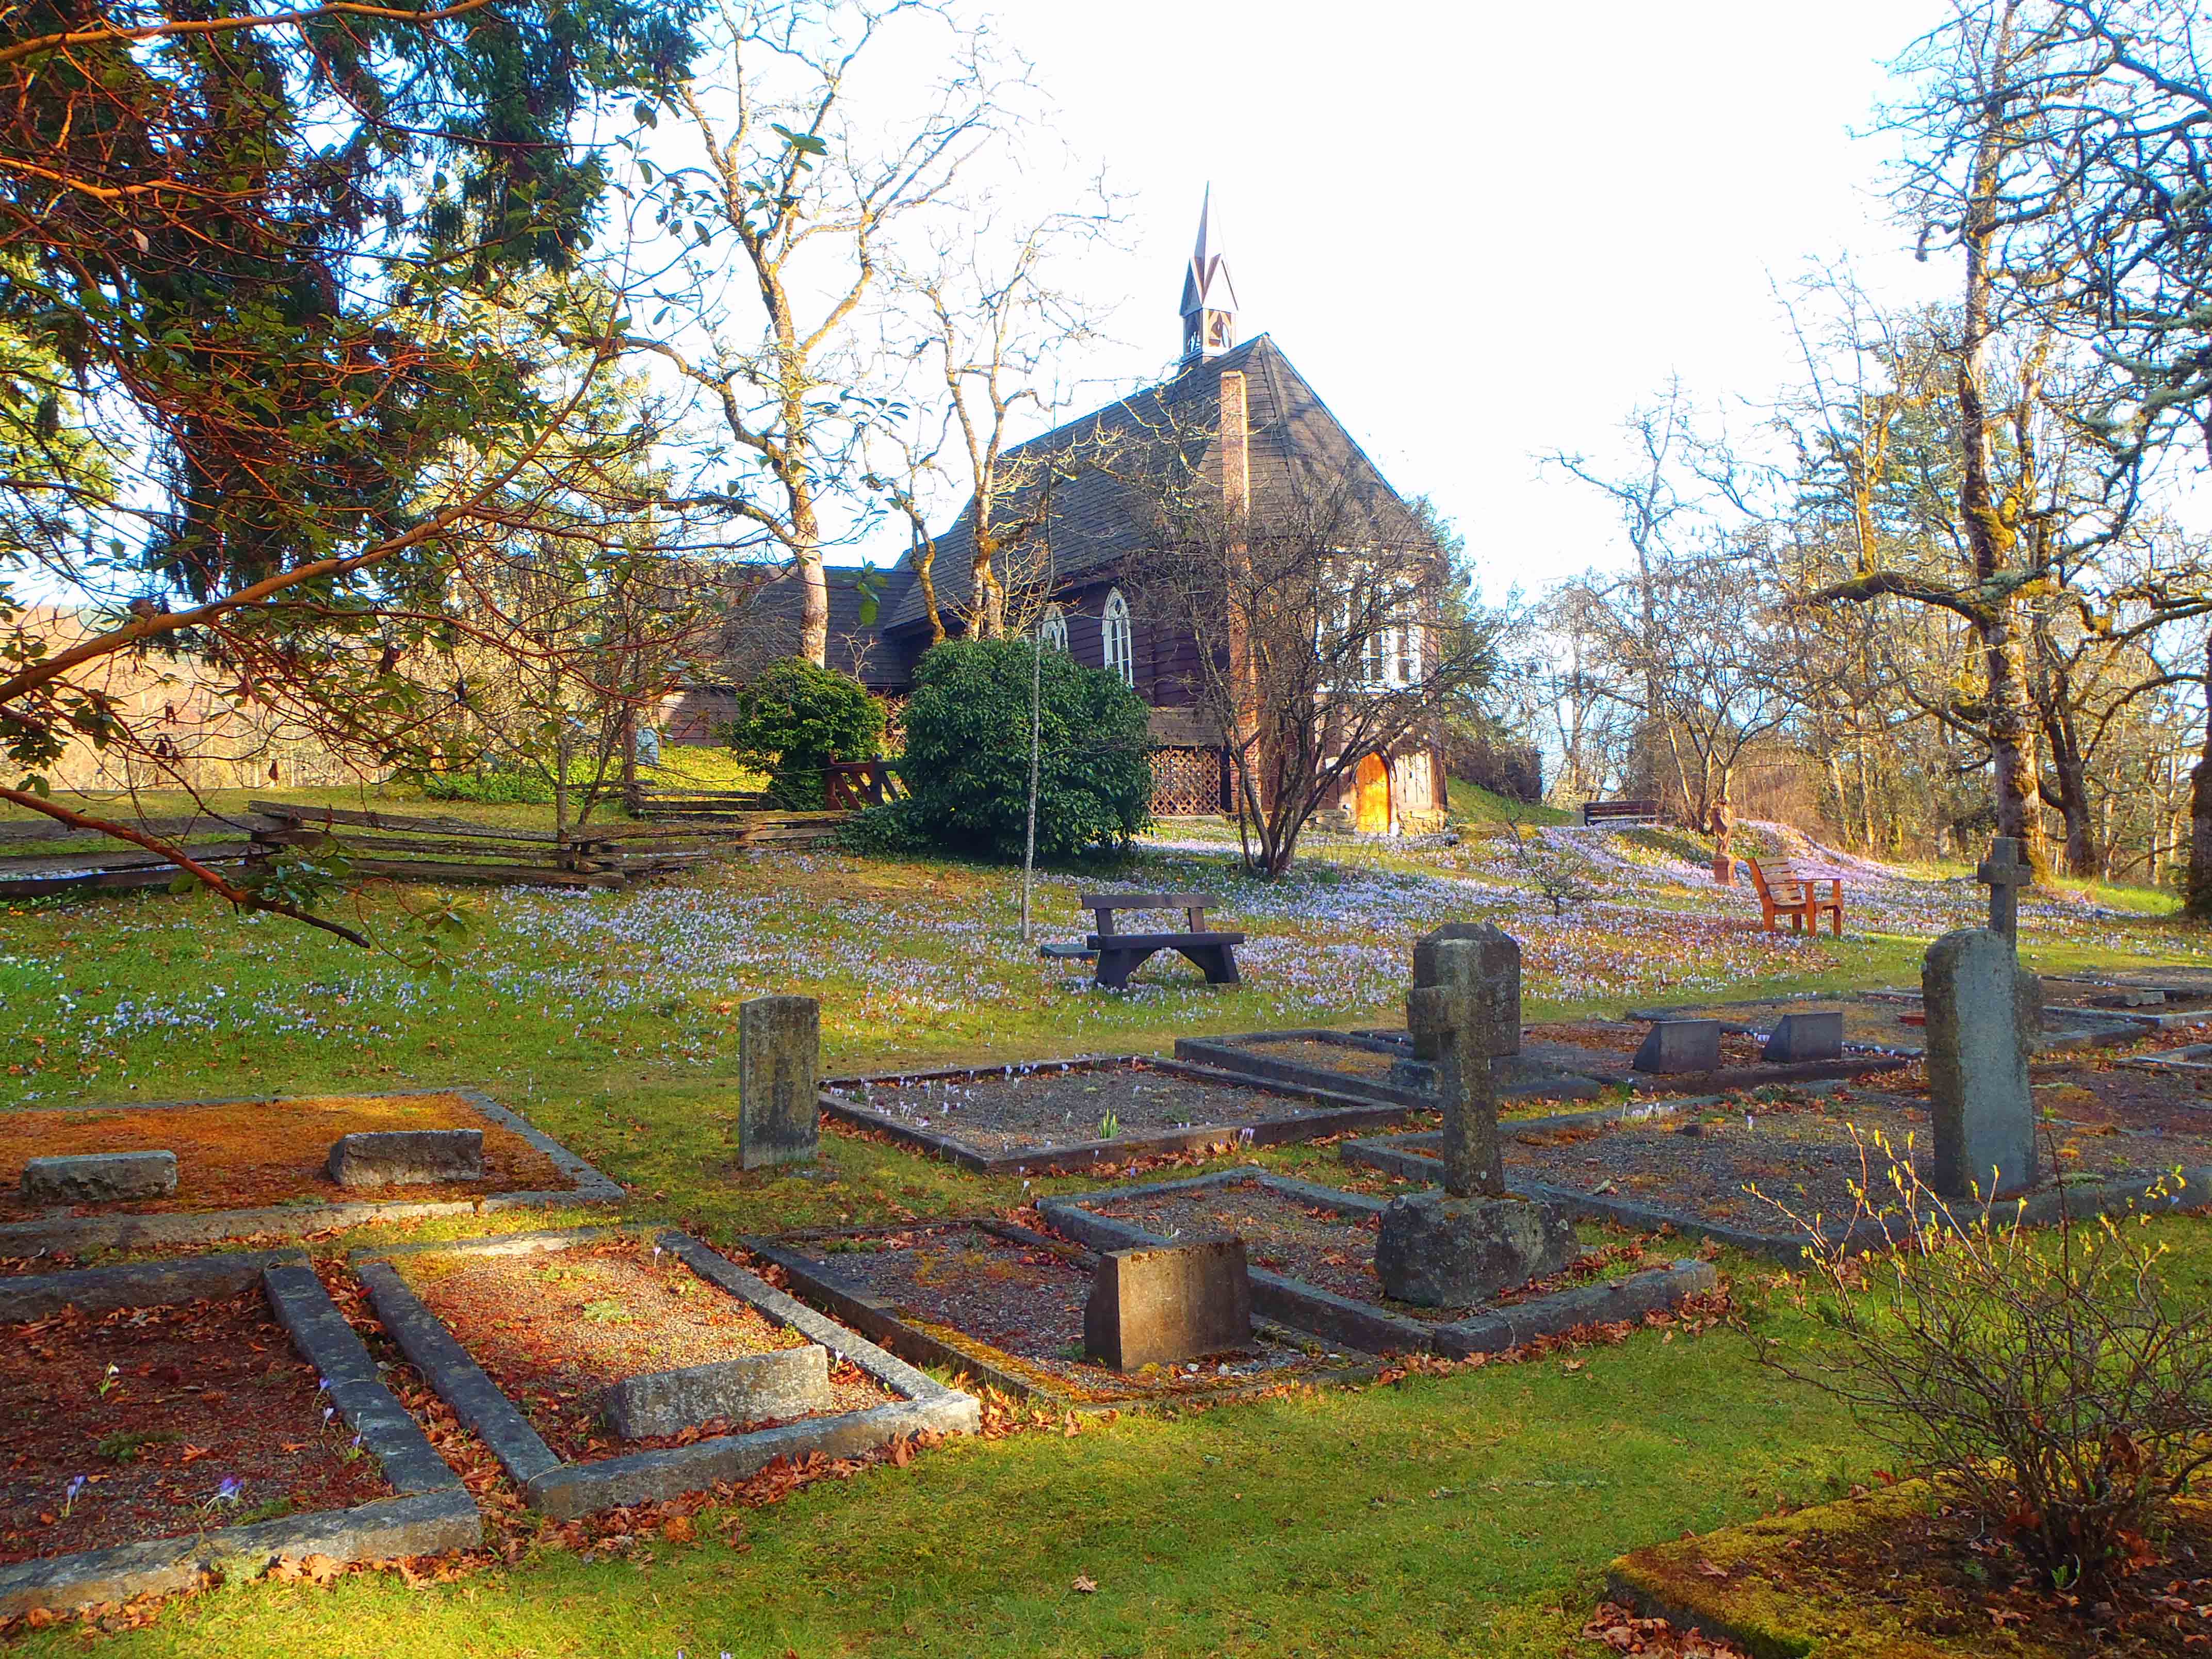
1028, 848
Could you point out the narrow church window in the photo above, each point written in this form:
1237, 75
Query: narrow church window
1114, 629
1053, 630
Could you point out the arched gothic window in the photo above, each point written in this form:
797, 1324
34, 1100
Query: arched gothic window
1053, 630
1118, 653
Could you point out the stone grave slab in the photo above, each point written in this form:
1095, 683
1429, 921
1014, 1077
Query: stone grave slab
1807, 1037
1170, 1305
1092, 1113
779, 1069
532, 1387
1672, 1047
791, 1383
260, 1168
407, 1157
108, 1542
1686, 1164
1009, 1306
99, 1177
1311, 1249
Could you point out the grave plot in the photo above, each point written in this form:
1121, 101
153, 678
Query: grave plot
1891, 1023
1690, 1169
1006, 1305
77, 1178
1092, 1113
163, 1420
1563, 1060
604, 1369
1311, 1250
2158, 998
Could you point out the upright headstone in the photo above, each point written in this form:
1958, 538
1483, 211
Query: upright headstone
1982, 1009
2004, 872
1465, 1009
779, 1071
1155, 1307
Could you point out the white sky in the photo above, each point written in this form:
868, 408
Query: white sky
1484, 231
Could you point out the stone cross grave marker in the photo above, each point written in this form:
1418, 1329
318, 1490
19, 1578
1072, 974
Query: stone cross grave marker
779, 1070
1465, 1011
2004, 872
1983, 1009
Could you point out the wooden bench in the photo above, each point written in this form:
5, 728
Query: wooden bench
1595, 813
1212, 951
1797, 898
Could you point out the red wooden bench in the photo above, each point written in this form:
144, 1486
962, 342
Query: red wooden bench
1797, 898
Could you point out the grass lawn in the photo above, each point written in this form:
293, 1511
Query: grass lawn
1472, 1511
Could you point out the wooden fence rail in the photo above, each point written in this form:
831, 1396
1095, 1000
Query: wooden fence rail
401, 847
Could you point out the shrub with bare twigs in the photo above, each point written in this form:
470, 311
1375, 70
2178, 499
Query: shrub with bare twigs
2050, 1377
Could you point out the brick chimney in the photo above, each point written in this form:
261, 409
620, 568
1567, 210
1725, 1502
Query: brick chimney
1234, 447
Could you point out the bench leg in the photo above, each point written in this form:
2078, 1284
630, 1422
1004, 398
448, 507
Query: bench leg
1116, 964
1217, 962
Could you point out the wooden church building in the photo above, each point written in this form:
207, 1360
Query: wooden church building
1258, 422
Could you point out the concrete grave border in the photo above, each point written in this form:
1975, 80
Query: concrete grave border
296, 1221
1343, 1111
565, 1490
431, 1512
2097, 1028
884, 1321
1402, 1155
1234, 1053
1369, 1325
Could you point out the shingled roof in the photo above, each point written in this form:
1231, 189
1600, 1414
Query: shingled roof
1098, 519
764, 626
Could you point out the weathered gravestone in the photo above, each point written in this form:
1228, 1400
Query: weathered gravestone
1457, 1248
787, 1383
779, 1072
1807, 1037
406, 1157
1156, 1307
1983, 1010
99, 1177
1680, 1045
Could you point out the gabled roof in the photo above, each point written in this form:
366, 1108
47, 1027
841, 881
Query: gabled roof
1098, 519
764, 626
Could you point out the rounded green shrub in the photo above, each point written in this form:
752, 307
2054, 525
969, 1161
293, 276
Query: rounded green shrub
968, 752
795, 718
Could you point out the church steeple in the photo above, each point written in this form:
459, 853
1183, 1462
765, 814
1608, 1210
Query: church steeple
1209, 298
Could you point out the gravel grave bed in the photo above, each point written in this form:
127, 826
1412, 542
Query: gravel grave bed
240, 1155
1802, 1154
970, 1288
1326, 1247
156, 1410
1048, 1107
554, 1330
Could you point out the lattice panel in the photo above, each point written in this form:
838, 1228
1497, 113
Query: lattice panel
1186, 782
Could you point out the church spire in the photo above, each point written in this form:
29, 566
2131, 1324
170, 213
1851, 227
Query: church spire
1209, 298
